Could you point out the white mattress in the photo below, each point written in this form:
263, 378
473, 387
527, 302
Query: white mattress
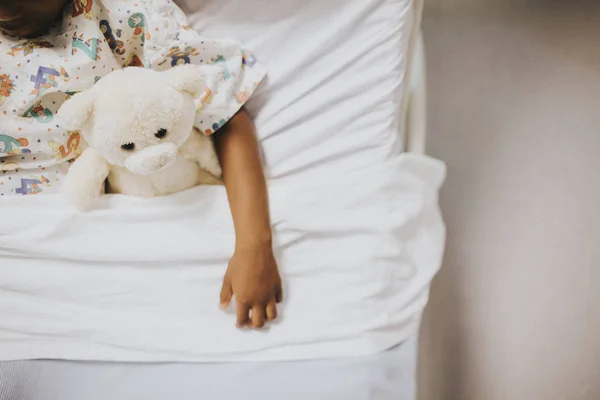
357, 226
386, 376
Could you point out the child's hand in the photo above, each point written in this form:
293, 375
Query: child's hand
253, 278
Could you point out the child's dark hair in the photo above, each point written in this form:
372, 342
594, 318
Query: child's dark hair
29, 18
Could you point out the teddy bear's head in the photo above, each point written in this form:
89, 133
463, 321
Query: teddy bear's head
136, 117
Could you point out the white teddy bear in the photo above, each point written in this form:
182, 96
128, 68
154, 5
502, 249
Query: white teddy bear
137, 129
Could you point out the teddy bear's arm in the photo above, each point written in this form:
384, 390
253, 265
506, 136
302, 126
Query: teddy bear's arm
85, 180
201, 149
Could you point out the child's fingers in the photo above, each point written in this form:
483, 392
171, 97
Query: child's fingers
242, 311
258, 316
226, 294
271, 311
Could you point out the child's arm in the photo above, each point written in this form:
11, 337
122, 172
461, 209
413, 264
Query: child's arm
252, 275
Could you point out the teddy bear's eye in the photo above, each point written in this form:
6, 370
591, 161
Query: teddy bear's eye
161, 133
128, 146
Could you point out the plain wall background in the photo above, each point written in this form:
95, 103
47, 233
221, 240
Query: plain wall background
514, 111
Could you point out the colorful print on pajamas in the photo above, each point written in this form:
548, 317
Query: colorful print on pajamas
94, 38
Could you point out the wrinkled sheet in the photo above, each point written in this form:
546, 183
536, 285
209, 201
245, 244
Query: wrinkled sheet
336, 74
138, 279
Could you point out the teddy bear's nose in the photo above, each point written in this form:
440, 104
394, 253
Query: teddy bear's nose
152, 159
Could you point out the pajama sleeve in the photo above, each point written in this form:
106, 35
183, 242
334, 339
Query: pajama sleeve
232, 72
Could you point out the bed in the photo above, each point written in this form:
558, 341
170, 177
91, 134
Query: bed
121, 302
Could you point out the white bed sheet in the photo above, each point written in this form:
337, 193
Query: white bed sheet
138, 280
336, 72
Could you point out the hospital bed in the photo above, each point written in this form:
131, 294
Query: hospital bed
359, 236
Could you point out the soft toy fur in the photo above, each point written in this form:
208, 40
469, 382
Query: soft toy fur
137, 126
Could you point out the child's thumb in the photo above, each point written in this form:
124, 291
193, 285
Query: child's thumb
226, 294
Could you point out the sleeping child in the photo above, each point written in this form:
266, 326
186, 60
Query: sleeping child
52, 49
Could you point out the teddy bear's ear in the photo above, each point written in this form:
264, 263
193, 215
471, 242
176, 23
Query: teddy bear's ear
75, 111
187, 78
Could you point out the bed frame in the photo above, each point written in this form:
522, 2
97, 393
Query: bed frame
415, 97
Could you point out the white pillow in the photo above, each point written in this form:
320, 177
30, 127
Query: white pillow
335, 77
